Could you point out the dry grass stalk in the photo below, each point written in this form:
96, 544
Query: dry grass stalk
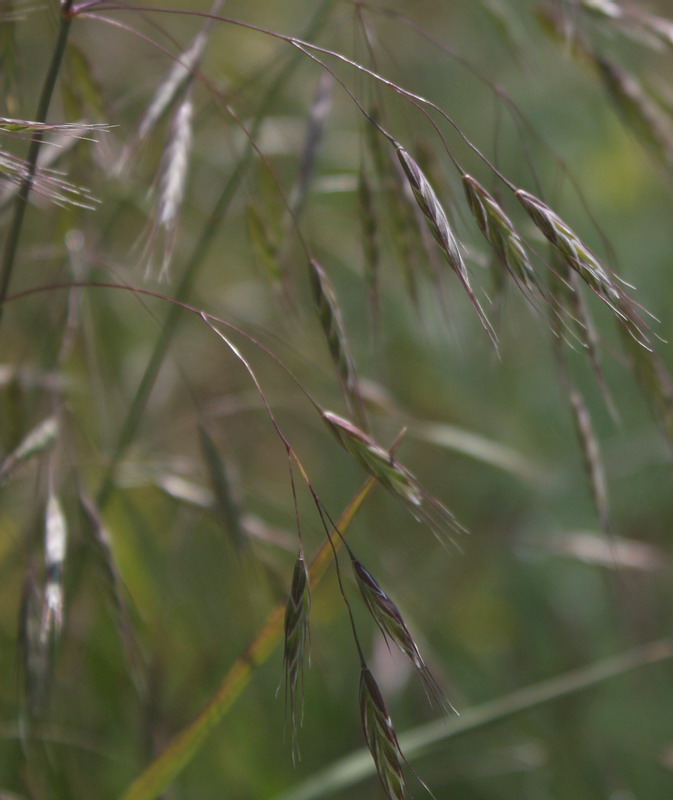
37, 441
380, 737
439, 226
499, 231
297, 639
331, 320
393, 627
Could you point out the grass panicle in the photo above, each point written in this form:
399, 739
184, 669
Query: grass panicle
297, 640
381, 737
35, 662
391, 623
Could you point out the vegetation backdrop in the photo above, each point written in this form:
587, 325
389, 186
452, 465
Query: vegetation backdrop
284, 283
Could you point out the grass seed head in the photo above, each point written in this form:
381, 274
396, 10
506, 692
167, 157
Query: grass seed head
573, 249
297, 638
375, 459
499, 231
389, 619
380, 737
331, 320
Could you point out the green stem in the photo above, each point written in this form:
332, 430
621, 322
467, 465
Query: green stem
14, 234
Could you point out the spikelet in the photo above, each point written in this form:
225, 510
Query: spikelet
438, 223
331, 320
396, 478
499, 231
297, 638
389, 619
381, 737
375, 459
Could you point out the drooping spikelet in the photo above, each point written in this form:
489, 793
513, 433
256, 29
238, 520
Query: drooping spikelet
438, 224
297, 636
381, 737
499, 231
389, 619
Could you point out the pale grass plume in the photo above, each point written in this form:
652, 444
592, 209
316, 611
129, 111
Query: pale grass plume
55, 546
174, 84
172, 183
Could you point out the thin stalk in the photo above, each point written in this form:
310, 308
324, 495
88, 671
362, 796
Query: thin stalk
16, 225
184, 746
211, 227
358, 766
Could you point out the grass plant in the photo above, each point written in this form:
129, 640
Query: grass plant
243, 249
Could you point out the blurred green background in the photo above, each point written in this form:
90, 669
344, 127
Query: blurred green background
535, 590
